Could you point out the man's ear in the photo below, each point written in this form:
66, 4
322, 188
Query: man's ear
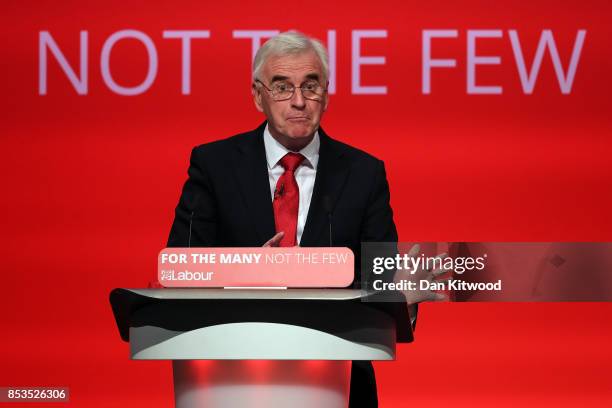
326, 99
256, 96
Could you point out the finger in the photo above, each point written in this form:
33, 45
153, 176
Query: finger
425, 296
275, 240
440, 257
439, 297
431, 296
440, 271
445, 282
416, 248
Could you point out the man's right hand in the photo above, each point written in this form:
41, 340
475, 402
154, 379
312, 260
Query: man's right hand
275, 240
429, 275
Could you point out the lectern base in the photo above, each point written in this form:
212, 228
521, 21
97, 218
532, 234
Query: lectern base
261, 383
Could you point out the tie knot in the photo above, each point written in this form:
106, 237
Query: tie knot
291, 161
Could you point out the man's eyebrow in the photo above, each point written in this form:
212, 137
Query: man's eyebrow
279, 78
313, 75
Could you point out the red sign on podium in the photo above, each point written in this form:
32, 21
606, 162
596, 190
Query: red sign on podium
295, 267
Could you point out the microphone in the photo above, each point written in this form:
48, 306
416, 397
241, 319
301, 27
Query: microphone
196, 201
327, 205
190, 224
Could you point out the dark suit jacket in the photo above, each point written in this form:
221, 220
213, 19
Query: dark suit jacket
228, 202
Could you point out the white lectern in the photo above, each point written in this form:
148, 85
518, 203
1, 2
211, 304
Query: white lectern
260, 347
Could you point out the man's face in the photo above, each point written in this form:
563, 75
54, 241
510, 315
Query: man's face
293, 121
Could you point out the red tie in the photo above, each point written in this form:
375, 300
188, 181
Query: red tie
286, 200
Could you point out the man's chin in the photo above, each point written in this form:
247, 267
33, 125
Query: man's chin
300, 132
295, 136
300, 135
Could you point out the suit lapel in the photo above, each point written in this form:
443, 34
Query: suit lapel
332, 172
252, 175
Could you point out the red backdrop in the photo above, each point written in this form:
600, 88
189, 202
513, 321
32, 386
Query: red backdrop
92, 180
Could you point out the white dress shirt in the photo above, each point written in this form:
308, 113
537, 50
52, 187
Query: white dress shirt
304, 175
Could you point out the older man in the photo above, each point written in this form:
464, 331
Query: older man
287, 182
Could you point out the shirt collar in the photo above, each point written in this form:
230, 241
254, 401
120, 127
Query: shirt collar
276, 151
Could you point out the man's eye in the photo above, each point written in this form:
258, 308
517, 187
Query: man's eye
281, 87
310, 86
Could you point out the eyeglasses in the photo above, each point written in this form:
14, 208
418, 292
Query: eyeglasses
282, 90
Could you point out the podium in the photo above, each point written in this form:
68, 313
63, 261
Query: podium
260, 347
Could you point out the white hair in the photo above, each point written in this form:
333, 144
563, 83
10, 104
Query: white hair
288, 43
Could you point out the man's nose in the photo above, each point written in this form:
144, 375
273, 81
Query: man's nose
297, 99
